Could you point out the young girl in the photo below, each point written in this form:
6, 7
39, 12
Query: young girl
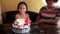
21, 24
48, 17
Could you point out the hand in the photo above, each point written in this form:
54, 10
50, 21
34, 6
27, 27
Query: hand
43, 20
40, 21
49, 21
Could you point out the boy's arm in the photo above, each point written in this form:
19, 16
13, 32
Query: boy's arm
51, 20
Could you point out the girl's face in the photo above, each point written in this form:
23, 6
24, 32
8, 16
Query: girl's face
49, 2
22, 9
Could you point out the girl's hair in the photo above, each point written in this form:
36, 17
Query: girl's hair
22, 3
53, 0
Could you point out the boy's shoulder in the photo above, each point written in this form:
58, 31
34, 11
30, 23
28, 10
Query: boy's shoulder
57, 8
43, 8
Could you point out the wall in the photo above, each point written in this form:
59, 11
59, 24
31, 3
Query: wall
33, 5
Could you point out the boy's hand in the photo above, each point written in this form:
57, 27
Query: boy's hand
43, 20
40, 21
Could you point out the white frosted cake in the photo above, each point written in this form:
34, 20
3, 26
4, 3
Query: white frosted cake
21, 28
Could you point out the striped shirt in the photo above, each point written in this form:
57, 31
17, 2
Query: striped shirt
49, 14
